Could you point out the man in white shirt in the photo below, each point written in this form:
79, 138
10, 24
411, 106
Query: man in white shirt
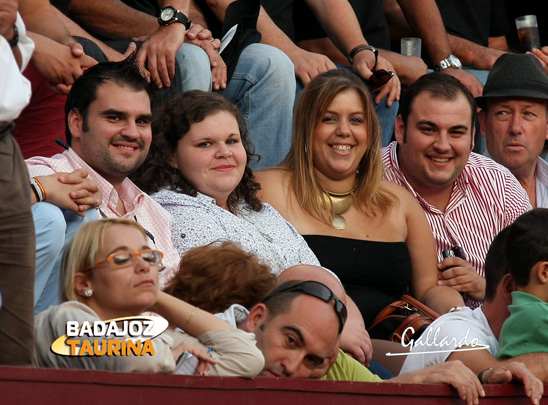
514, 121
471, 336
16, 227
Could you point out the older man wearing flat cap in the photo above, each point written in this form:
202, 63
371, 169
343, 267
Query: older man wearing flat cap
514, 120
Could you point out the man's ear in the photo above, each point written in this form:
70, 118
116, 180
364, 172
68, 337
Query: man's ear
81, 283
399, 130
482, 116
542, 272
257, 316
473, 134
508, 287
75, 123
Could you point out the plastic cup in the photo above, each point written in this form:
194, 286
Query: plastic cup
528, 32
411, 46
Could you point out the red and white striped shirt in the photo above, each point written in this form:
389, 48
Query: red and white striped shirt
485, 199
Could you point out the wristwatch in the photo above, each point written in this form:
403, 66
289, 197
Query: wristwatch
170, 15
15, 40
450, 62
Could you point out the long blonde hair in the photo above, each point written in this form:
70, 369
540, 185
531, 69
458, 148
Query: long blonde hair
80, 252
312, 105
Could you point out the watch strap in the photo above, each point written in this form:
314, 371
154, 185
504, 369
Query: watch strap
450, 62
177, 17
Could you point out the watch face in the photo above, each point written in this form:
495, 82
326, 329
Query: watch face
455, 62
167, 14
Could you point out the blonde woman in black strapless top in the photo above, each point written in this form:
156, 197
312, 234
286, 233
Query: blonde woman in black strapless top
372, 233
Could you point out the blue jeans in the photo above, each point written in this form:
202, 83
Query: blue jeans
387, 115
262, 87
195, 68
54, 228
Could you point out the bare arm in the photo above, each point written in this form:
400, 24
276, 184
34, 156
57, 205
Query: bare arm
73, 191
472, 54
346, 33
57, 55
307, 64
354, 338
76, 30
40, 17
453, 372
191, 319
422, 250
529, 369
536, 362
465, 381
112, 18
425, 20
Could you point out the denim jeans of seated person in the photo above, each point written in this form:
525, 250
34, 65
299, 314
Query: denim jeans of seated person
54, 228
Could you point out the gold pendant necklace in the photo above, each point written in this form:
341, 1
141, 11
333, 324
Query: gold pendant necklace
339, 203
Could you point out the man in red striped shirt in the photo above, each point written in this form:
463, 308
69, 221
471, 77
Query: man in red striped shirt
467, 198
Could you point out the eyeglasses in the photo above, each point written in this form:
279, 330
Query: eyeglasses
125, 259
318, 290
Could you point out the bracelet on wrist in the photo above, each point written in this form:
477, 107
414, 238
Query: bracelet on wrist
190, 317
40, 187
480, 375
360, 48
37, 189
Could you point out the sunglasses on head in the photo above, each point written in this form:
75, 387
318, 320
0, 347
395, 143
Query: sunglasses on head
318, 290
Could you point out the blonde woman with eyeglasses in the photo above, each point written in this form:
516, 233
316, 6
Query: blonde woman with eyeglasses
109, 272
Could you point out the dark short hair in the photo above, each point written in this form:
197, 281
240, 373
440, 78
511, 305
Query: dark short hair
215, 276
440, 86
170, 125
125, 73
496, 265
527, 244
277, 303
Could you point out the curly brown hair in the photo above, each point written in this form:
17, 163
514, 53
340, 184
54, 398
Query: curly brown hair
170, 125
215, 276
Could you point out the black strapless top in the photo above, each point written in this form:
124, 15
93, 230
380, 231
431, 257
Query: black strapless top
373, 273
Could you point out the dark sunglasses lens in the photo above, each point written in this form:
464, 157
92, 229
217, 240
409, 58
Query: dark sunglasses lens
318, 291
380, 78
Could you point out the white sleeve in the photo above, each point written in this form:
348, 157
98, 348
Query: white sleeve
15, 90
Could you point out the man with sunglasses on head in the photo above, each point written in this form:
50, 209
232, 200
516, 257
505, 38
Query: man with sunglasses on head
298, 325
467, 198
108, 127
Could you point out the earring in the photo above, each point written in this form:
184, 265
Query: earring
88, 292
